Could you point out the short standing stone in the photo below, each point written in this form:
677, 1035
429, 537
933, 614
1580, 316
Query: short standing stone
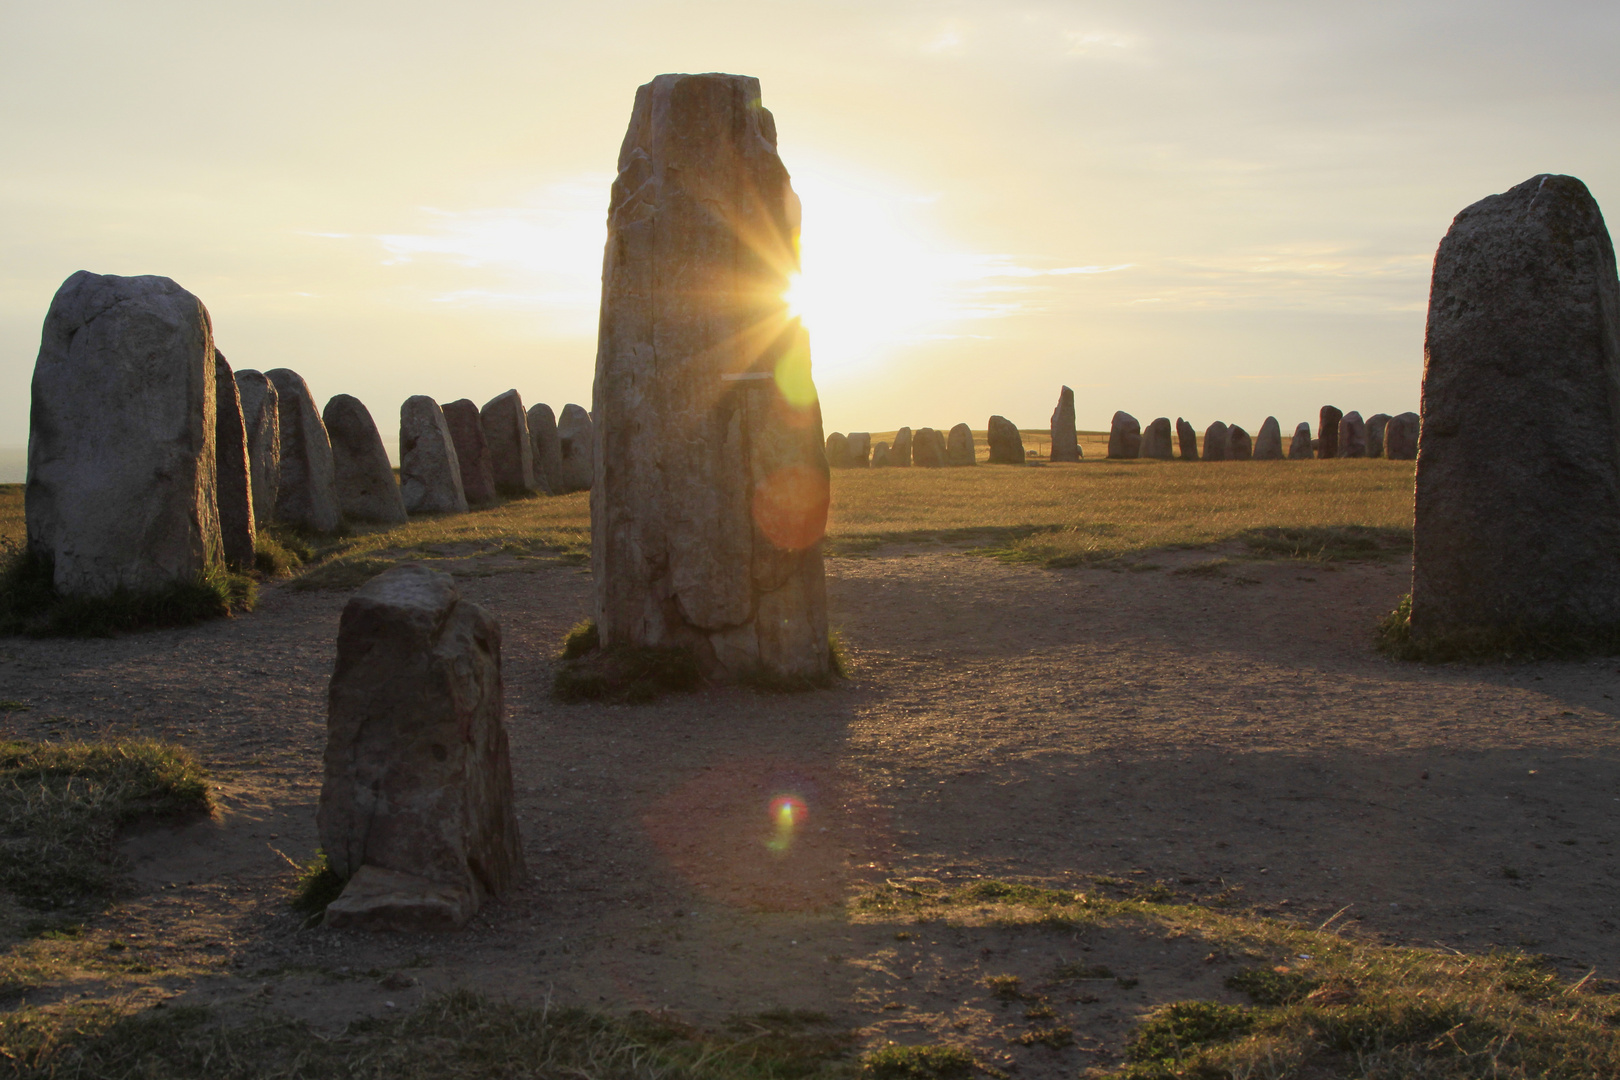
1302, 447
235, 483
472, 452
837, 450
959, 447
900, 452
307, 494
1375, 434
547, 448
1352, 436
577, 465
1327, 432
1124, 436
121, 459
1401, 437
1239, 447
1216, 443
511, 454
1187, 437
1268, 444
261, 415
416, 809
860, 449
367, 490
429, 471
880, 456
1156, 440
1006, 444
928, 449
1065, 441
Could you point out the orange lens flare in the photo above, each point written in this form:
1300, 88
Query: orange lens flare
790, 507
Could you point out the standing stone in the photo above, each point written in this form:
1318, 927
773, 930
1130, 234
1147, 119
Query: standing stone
880, 456
711, 499
860, 449
837, 451
416, 808
1352, 436
1327, 433
1006, 444
1187, 436
1065, 441
1302, 447
928, 449
121, 457
1268, 444
1156, 440
472, 452
234, 483
429, 470
1401, 437
1239, 447
959, 448
307, 495
1375, 434
1524, 328
900, 452
1215, 442
366, 488
261, 415
576, 466
511, 454
547, 449
1124, 436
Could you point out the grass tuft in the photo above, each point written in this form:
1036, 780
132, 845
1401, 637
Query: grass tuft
277, 554
581, 640
917, 1063
30, 604
317, 885
1329, 543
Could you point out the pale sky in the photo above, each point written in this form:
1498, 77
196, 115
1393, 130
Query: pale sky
1211, 210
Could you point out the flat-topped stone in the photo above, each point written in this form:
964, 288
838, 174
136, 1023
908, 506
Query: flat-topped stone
547, 448
1006, 444
1156, 440
506, 434
1327, 432
1124, 436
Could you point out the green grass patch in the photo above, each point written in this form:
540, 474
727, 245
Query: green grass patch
342, 574
277, 553
581, 640
1511, 644
917, 1063
317, 885
30, 604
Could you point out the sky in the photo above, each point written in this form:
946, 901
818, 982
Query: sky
1211, 210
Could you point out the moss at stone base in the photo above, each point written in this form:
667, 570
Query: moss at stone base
1524, 642
30, 604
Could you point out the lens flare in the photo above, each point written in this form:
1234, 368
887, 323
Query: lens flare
790, 506
787, 813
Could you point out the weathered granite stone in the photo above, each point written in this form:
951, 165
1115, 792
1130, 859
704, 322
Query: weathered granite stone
837, 450
1239, 447
576, 464
367, 490
1352, 436
1216, 442
121, 458
1124, 436
928, 449
416, 808
1302, 447
1375, 434
547, 448
711, 494
900, 452
306, 495
1065, 442
261, 415
1401, 437
1523, 329
429, 470
959, 447
1006, 444
1268, 444
1156, 440
860, 449
1327, 432
880, 456
472, 452
234, 482
1187, 437
511, 454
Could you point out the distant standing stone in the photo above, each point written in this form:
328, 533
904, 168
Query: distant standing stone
472, 452
837, 450
121, 452
367, 490
261, 415
429, 470
547, 448
1268, 444
416, 807
1065, 441
928, 449
307, 495
511, 454
1187, 436
880, 456
235, 482
1239, 447
1375, 434
1006, 444
1401, 437
1327, 433
900, 452
860, 449
1124, 436
574, 435
1156, 440
959, 448
1302, 447
1215, 442
1352, 436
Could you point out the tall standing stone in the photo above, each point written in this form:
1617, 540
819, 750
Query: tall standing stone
1352, 436
1216, 442
860, 449
1065, 441
837, 450
416, 808
1401, 437
711, 495
366, 488
1268, 443
900, 452
1301, 447
472, 452
261, 415
959, 448
307, 493
1375, 434
1524, 327
1006, 444
429, 470
511, 454
121, 452
1327, 433
234, 482
1239, 447
576, 462
1187, 437
1124, 436
1156, 440
928, 449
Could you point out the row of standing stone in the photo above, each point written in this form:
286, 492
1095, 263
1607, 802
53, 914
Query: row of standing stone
1342, 435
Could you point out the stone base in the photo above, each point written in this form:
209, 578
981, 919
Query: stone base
378, 899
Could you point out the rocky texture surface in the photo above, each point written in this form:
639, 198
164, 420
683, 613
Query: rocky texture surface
1352, 436
547, 448
1065, 442
233, 483
837, 450
1239, 447
928, 449
306, 492
1327, 432
1124, 436
121, 453
1187, 438
959, 447
261, 416
429, 470
511, 453
1006, 444
418, 778
711, 495
860, 449
880, 456
1401, 437
472, 452
576, 444
1156, 440
1375, 434
1268, 443
1215, 442
366, 488
1302, 447
1524, 323
900, 452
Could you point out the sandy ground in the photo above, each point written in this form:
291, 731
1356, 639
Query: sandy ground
1228, 733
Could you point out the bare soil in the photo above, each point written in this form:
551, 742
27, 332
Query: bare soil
1230, 732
